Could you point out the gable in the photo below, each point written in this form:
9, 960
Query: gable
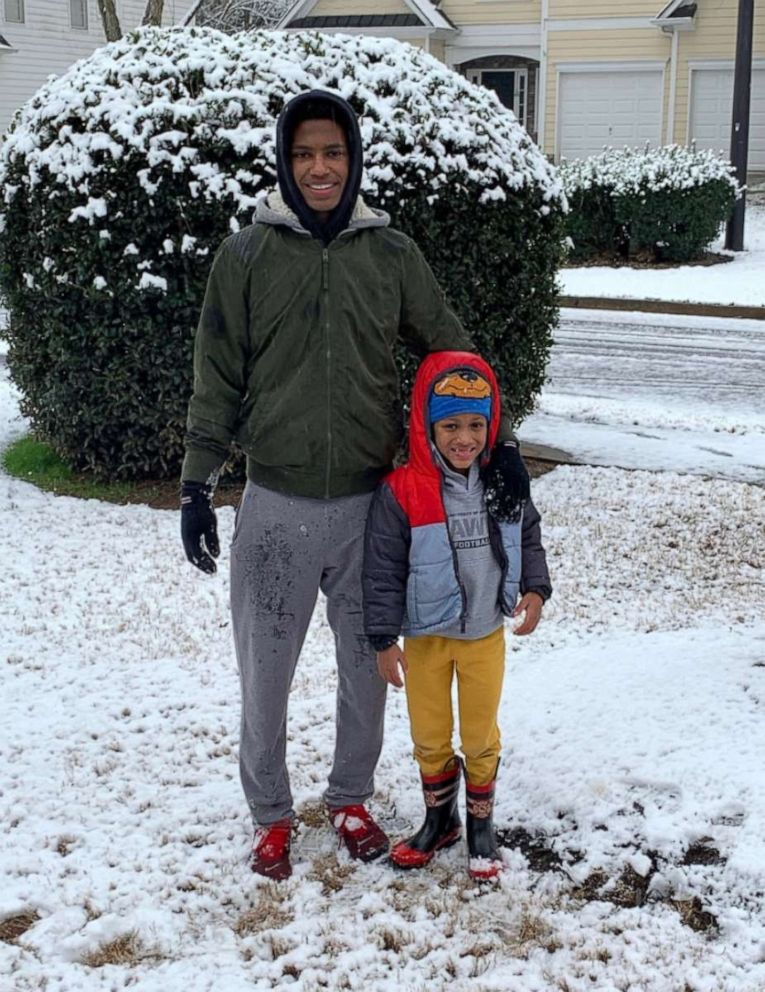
365, 14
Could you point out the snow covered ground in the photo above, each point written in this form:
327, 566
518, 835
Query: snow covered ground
631, 795
740, 282
655, 391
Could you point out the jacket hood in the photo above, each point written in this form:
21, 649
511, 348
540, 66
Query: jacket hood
433, 367
293, 113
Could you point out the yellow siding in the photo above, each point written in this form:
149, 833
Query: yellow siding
576, 9
714, 38
465, 12
437, 49
638, 44
329, 8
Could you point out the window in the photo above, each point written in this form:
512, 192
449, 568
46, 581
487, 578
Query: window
14, 11
78, 14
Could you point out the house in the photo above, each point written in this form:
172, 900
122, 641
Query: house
43, 37
580, 74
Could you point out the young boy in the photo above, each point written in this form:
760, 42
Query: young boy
445, 560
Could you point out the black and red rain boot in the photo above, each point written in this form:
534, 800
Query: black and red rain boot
485, 861
442, 826
271, 850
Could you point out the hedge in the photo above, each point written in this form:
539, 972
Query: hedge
119, 180
668, 202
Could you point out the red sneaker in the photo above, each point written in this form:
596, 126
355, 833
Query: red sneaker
271, 850
363, 838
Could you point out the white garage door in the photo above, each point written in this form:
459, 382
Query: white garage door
711, 108
608, 108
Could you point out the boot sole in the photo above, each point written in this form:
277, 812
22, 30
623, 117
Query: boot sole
449, 841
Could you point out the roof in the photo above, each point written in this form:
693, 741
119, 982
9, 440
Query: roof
359, 21
424, 13
677, 10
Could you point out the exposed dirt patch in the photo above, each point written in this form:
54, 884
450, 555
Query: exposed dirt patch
702, 853
693, 915
539, 855
630, 890
14, 927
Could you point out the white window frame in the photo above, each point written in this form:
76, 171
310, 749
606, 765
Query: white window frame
22, 10
79, 27
520, 88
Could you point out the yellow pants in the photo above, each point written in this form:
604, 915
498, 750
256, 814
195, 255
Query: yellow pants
480, 667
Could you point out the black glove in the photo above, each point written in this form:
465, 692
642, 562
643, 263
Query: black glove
197, 523
506, 483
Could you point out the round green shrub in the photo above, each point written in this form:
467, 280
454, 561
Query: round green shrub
668, 202
119, 180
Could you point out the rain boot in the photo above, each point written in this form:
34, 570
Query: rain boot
485, 860
442, 826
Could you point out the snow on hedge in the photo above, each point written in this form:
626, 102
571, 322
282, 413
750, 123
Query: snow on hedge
626, 171
185, 97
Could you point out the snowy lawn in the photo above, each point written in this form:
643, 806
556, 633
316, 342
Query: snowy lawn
631, 796
740, 282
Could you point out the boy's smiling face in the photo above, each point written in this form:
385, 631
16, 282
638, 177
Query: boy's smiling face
320, 164
460, 439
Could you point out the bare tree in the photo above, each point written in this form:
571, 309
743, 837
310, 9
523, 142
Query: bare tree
153, 12
238, 15
109, 19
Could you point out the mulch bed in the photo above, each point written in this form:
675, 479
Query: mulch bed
643, 261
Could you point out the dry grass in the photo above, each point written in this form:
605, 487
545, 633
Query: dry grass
330, 873
269, 913
65, 844
313, 815
14, 927
126, 950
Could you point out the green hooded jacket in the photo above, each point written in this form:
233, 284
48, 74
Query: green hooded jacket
295, 352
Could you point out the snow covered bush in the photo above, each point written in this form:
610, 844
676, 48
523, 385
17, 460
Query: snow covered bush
668, 201
119, 180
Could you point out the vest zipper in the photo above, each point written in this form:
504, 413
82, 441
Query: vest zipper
328, 346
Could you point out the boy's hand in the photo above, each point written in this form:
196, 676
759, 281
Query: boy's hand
531, 604
391, 663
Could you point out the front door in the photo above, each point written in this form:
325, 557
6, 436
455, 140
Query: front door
503, 84
508, 84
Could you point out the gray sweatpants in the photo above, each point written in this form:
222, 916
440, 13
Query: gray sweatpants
285, 549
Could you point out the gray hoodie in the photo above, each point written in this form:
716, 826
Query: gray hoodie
480, 572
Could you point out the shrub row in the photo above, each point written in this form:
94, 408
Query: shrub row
667, 202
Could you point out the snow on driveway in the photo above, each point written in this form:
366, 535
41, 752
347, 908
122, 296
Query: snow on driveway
740, 282
655, 391
631, 795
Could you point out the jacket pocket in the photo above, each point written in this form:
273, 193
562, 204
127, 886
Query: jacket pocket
411, 599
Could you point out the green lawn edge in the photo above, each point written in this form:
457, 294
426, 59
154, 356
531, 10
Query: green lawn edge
34, 461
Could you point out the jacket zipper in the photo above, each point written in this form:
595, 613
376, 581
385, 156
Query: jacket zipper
455, 560
325, 288
499, 553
